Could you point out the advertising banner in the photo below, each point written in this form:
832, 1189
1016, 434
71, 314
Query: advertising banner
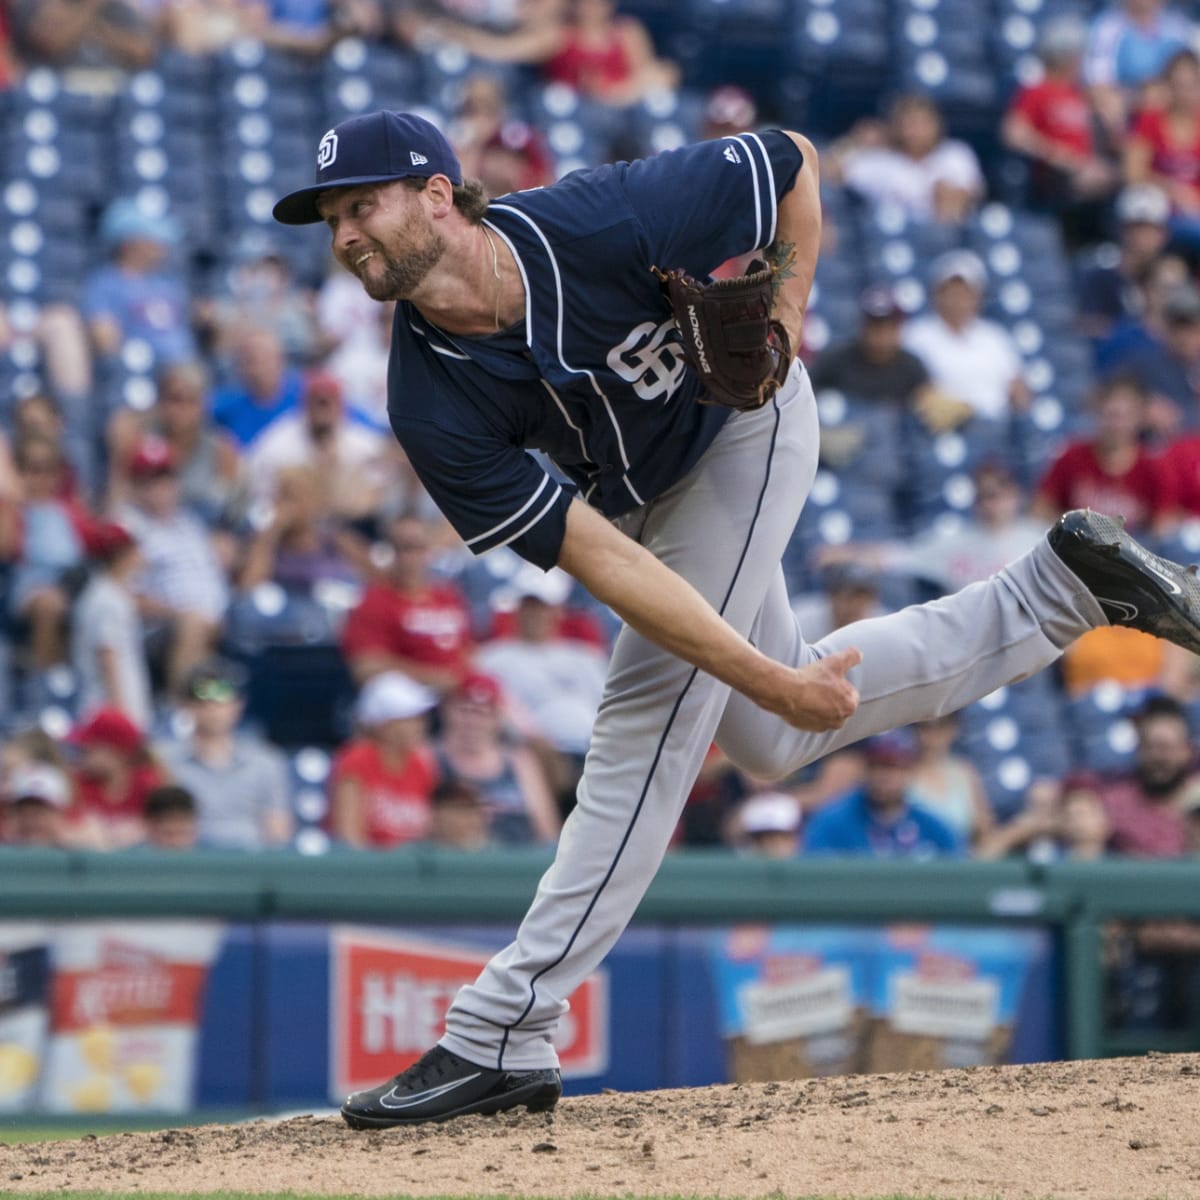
803, 1001
125, 1001
388, 999
178, 1016
24, 1012
948, 997
793, 1002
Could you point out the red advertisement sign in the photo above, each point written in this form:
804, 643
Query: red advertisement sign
128, 985
389, 999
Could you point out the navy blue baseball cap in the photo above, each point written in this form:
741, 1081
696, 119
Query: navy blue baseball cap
374, 148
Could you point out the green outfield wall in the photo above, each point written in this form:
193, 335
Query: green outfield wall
421, 884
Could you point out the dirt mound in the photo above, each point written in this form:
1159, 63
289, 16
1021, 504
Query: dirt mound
1124, 1129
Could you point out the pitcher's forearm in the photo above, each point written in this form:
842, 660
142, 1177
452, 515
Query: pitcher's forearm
660, 605
664, 608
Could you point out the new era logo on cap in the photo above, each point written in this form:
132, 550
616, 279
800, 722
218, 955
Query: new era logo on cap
373, 148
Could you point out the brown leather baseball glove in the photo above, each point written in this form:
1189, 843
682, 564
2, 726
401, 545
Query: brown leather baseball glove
730, 340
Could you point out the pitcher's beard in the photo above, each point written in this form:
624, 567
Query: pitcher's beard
401, 277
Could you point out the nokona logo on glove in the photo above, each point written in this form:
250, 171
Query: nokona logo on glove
698, 340
729, 337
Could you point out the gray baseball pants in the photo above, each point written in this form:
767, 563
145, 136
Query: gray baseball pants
724, 528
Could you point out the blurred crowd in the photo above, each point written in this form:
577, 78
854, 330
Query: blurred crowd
232, 619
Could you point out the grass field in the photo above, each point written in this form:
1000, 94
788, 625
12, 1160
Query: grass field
59, 1133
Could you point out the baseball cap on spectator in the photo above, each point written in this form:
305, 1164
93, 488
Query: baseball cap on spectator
879, 303
850, 577
1182, 306
107, 540
895, 748
108, 727
40, 781
1063, 38
216, 679
152, 458
1143, 204
321, 383
125, 220
550, 587
480, 689
393, 696
520, 138
770, 812
256, 245
375, 147
730, 107
959, 264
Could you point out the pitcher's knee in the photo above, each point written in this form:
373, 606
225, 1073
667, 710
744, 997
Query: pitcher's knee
769, 760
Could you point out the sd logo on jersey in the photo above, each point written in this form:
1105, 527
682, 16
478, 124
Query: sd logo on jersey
647, 362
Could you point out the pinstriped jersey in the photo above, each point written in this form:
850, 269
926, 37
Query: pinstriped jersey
593, 376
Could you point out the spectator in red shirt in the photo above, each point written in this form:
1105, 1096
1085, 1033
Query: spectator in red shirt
608, 56
1111, 471
1145, 808
1164, 144
383, 781
1050, 122
114, 775
406, 621
1181, 464
9, 66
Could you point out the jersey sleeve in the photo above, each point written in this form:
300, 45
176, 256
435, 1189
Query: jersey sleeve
705, 203
492, 492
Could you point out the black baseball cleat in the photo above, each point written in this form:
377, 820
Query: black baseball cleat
440, 1085
1133, 586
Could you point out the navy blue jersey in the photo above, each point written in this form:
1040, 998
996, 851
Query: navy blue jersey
594, 377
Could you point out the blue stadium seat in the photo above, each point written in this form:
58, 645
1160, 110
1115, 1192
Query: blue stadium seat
743, 41
308, 771
299, 695
1101, 735
359, 76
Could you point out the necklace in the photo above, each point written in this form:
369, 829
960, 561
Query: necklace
495, 272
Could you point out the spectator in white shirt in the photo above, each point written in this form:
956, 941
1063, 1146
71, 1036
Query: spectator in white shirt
352, 459
947, 555
552, 684
182, 590
929, 176
973, 361
107, 639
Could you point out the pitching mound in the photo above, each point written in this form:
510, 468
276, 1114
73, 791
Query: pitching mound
1124, 1129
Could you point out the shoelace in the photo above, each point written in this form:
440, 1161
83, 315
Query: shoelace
431, 1068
